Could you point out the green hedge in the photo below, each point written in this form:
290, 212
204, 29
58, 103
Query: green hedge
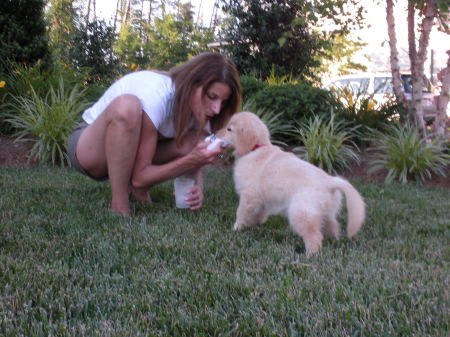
250, 85
296, 101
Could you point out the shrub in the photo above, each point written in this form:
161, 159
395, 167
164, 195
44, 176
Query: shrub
22, 80
47, 121
279, 130
250, 85
406, 156
364, 110
295, 102
327, 143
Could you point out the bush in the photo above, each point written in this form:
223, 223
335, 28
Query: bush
47, 121
327, 143
250, 85
23, 35
406, 156
22, 80
363, 110
295, 102
279, 130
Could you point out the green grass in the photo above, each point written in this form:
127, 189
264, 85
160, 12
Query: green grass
69, 267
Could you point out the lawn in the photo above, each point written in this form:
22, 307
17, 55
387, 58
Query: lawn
69, 267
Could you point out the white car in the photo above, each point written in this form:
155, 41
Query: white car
379, 86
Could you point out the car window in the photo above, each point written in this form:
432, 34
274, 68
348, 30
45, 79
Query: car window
383, 85
406, 80
355, 85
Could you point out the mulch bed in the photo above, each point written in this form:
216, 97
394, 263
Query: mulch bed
16, 154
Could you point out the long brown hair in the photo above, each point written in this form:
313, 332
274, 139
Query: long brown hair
203, 71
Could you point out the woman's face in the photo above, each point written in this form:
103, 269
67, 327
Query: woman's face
212, 102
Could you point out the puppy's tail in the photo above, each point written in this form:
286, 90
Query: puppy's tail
356, 209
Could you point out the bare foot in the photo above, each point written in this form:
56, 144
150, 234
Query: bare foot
124, 211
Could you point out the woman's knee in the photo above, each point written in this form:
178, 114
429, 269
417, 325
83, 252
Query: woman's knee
127, 110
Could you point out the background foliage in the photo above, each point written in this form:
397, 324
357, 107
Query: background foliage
23, 32
278, 62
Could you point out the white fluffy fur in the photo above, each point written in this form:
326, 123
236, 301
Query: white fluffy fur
271, 181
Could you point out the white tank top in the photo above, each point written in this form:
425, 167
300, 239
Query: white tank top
155, 92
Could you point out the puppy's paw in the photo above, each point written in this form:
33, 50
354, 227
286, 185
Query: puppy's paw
237, 226
312, 248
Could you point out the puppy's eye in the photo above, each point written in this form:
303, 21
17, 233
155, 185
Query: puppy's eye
229, 129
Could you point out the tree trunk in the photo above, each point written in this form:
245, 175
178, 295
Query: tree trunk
150, 9
417, 58
125, 7
127, 13
116, 15
442, 101
87, 15
395, 67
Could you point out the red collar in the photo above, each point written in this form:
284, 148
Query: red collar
257, 146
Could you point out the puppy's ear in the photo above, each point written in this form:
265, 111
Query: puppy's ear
246, 139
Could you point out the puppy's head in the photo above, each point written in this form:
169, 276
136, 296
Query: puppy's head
245, 131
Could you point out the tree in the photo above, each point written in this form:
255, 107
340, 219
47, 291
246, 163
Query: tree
174, 38
92, 50
427, 11
23, 31
395, 66
62, 18
337, 55
170, 39
266, 36
284, 35
442, 101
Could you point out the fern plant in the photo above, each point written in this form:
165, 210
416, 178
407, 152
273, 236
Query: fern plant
407, 156
327, 143
46, 121
278, 128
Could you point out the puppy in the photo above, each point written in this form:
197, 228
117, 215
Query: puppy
271, 181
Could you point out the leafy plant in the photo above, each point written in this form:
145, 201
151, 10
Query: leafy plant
278, 128
274, 79
47, 121
407, 156
362, 109
250, 85
296, 102
22, 80
327, 143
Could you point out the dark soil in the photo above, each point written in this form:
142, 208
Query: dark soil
16, 154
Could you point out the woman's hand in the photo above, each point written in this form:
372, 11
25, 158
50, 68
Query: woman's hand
194, 200
201, 155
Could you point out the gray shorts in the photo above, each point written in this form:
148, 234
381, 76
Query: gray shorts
72, 150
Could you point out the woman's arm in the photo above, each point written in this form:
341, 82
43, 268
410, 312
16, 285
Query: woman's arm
151, 168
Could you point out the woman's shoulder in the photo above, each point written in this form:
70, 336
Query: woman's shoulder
141, 83
148, 75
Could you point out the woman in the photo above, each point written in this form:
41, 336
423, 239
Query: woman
148, 126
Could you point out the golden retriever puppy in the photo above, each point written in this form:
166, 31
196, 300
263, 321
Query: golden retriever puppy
271, 181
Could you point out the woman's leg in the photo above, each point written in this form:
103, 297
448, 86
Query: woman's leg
108, 147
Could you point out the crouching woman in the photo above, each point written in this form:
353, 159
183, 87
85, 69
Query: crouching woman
148, 128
